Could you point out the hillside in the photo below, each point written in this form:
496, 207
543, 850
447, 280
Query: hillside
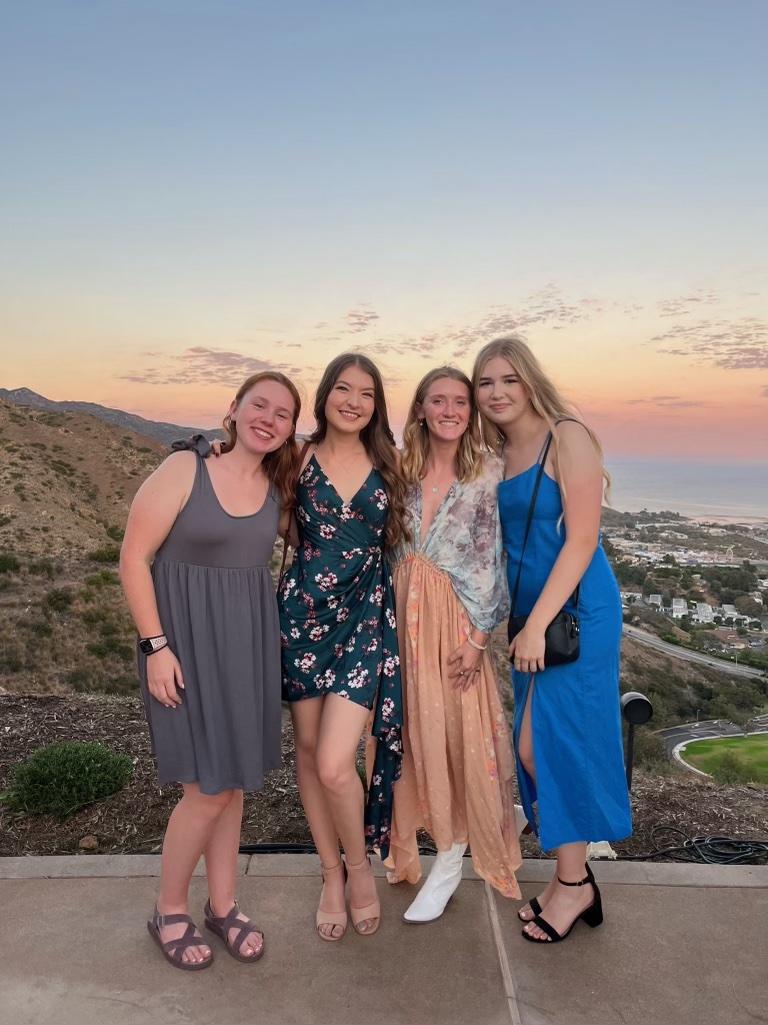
157, 430
67, 480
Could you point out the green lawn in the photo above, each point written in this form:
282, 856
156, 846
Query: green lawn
751, 751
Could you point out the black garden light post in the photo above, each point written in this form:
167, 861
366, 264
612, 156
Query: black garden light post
637, 710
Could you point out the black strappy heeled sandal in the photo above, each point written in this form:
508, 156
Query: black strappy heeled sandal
535, 907
592, 916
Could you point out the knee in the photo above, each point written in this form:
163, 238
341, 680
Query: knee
212, 805
306, 754
333, 775
525, 754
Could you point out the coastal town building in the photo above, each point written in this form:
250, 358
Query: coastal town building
704, 613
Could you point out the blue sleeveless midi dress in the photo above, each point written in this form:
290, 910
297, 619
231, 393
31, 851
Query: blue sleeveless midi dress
580, 789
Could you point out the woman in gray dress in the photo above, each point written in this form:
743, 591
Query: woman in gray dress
195, 570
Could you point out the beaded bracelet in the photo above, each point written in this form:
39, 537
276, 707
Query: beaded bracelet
475, 645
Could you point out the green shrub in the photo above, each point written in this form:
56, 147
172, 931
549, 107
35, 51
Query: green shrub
732, 769
8, 563
43, 567
101, 579
111, 646
84, 681
81, 680
650, 752
38, 627
115, 533
62, 467
60, 778
109, 553
59, 599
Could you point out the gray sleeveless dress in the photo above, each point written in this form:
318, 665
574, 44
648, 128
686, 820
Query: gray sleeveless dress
217, 605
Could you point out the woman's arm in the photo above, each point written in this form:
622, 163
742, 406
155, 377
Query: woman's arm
581, 475
288, 529
153, 512
479, 581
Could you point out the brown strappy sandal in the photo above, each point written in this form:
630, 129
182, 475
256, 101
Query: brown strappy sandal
333, 918
173, 950
223, 926
371, 912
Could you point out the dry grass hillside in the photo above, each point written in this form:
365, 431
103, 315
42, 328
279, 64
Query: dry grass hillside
66, 482
65, 478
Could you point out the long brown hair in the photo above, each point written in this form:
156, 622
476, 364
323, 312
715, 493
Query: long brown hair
469, 456
376, 436
541, 391
282, 465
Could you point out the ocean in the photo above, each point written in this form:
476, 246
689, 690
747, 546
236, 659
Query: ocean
713, 491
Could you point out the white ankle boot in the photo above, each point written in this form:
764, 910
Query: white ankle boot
440, 886
520, 820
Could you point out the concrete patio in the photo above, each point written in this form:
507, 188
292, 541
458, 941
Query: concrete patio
681, 945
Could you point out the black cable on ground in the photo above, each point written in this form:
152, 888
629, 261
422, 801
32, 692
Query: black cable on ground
301, 848
679, 847
707, 850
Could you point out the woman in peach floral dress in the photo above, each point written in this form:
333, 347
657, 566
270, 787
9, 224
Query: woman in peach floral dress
458, 765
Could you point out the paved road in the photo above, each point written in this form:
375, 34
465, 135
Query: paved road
709, 728
675, 651
685, 732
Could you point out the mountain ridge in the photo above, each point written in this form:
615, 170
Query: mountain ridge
158, 430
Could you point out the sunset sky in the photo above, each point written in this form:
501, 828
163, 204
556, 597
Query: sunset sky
192, 191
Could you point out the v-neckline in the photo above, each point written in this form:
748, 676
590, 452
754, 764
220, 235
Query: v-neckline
423, 538
344, 504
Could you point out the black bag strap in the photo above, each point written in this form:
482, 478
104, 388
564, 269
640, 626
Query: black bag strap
534, 495
531, 507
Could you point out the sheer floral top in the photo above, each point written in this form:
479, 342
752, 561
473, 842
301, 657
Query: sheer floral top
464, 540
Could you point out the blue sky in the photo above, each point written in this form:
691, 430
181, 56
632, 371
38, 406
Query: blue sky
229, 175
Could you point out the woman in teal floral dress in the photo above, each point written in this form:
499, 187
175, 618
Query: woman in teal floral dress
341, 666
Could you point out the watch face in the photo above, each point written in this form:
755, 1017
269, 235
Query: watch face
146, 647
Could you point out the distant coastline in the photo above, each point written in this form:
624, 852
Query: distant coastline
718, 491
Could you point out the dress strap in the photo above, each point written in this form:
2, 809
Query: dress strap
200, 445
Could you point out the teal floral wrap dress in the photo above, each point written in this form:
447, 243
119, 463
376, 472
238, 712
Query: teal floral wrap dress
337, 622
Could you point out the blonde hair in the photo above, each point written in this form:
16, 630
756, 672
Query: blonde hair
416, 435
544, 397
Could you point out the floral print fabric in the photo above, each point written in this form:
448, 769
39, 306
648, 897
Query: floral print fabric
337, 622
464, 540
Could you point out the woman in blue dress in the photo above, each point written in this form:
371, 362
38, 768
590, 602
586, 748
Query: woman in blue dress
341, 666
567, 725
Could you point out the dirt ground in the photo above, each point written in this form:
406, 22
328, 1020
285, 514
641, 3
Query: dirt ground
133, 820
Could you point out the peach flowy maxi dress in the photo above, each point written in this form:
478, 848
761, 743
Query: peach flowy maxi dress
458, 765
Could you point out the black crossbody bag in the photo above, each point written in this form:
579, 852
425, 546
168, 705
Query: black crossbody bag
561, 638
